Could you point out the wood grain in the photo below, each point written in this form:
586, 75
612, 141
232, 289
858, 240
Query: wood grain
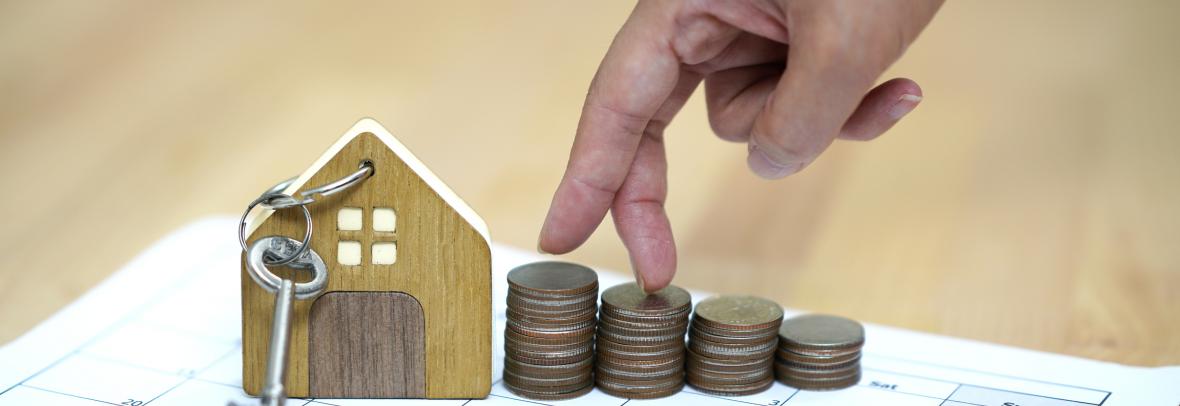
442, 262
1030, 200
367, 345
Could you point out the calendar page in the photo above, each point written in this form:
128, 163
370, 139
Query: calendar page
165, 330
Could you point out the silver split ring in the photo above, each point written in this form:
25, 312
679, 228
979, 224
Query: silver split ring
309, 196
276, 260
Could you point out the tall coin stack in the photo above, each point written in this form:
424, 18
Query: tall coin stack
640, 341
731, 345
549, 342
819, 352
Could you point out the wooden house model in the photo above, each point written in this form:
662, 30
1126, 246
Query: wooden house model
407, 312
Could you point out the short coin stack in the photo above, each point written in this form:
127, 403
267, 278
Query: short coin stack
731, 345
549, 342
640, 341
819, 352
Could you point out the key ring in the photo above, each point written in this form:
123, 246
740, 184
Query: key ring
256, 266
268, 197
275, 199
309, 196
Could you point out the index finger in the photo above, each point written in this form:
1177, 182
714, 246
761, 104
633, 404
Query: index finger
634, 79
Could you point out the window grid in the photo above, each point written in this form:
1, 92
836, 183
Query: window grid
367, 236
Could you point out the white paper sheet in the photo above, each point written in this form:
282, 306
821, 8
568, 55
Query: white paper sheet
165, 330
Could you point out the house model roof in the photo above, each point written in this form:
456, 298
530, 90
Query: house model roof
368, 125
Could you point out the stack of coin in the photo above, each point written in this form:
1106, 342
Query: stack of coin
640, 341
731, 345
819, 352
549, 342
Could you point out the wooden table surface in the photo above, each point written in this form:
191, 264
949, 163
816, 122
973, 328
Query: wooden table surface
1031, 200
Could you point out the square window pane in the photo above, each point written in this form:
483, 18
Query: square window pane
349, 253
349, 219
384, 219
384, 253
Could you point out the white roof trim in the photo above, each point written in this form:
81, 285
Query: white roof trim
372, 126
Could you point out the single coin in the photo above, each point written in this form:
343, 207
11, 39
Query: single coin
536, 330
705, 335
566, 384
546, 396
538, 358
623, 356
628, 298
639, 352
820, 384
612, 317
720, 351
626, 391
605, 360
569, 304
719, 371
673, 315
654, 324
804, 373
554, 312
552, 324
531, 347
548, 352
764, 333
512, 335
524, 386
821, 333
638, 340
713, 378
738, 312
748, 366
553, 300
587, 331
644, 394
552, 278
632, 332
555, 308
635, 385
817, 367
750, 346
819, 361
525, 368
711, 388
622, 375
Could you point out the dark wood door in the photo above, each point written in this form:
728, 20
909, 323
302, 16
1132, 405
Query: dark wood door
367, 345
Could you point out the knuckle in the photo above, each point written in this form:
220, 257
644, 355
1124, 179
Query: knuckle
592, 187
623, 119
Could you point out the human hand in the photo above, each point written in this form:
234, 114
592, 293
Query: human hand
786, 77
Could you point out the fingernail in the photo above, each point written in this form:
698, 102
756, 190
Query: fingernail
763, 166
541, 250
639, 280
904, 105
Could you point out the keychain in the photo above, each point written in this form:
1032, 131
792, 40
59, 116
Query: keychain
276, 250
398, 298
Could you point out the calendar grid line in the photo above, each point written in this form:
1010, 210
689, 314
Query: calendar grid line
975, 371
951, 395
189, 377
907, 393
67, 394
120, 322
720, 398
519, 399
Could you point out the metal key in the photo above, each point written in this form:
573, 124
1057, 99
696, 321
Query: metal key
286, 292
